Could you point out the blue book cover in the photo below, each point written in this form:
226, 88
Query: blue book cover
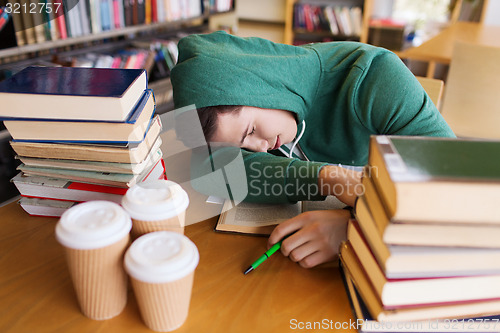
131, 119
105, 18
72, 93
71, 81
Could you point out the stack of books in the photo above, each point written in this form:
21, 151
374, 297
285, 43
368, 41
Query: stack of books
425, 244
81, 134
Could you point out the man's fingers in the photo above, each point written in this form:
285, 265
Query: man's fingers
316, 259
301, 251
285, 228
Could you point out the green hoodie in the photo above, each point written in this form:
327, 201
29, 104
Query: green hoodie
344, 91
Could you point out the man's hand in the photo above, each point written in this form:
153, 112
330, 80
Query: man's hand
316, 236
343, 183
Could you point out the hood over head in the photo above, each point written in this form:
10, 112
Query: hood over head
223, 69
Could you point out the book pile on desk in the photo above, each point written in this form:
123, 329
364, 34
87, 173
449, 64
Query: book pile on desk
425, 244
81, 134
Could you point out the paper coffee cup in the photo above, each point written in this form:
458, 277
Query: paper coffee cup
161, 266
95, 235
156, 205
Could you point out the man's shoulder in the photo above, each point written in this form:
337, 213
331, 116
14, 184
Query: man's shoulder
346, 55
346, 48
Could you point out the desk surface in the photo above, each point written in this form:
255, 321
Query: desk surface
37, 295
440, 47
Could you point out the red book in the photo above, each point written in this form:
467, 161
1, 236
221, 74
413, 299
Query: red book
308, 17
116, 14
154, 11
60, 19
62, 189
117, 60
3, 18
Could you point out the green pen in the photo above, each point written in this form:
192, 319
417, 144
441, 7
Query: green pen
263, 258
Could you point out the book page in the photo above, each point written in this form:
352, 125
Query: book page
252, 218
256, 219
250, 214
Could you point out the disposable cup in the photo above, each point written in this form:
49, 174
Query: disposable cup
161, 266
95, 235
156, 205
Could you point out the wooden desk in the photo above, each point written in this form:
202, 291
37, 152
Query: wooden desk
37, 295
439, 49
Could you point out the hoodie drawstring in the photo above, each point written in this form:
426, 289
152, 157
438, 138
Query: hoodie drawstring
296, 141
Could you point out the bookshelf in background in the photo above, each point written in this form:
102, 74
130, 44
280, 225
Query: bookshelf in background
66, 20
322, 20
95, 42
129, 21
144, 40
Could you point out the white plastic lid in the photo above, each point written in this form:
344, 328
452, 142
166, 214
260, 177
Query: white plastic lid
93, 224
155, 200
161, 256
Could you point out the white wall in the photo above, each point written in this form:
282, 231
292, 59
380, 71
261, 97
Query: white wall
261, 10
492, 14
382, 8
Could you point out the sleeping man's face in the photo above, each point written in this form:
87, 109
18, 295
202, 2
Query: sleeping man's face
256, 129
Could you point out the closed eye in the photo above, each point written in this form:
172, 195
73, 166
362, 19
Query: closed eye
245, 134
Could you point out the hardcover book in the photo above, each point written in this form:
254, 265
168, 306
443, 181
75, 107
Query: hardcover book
132, 153
111, 167
371, 317
131, 130
72, 93
423, 179
405, 262
395, 294
370, 211
93, 177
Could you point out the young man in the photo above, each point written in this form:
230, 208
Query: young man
262, 96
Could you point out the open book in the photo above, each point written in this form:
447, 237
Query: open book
260, 219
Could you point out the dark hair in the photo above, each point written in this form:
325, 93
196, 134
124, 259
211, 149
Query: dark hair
208, 117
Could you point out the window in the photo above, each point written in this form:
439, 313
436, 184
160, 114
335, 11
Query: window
426, 17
